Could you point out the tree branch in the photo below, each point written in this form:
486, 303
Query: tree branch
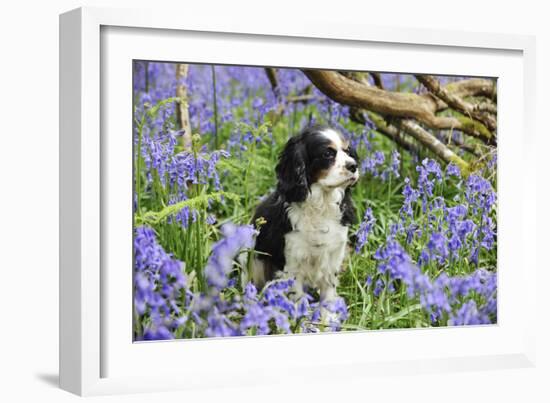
377, 80
434, 86
433, 144
403, 105
387, 129
473, 87
394, 133
487, 107
271, 74
414, 130
474, 150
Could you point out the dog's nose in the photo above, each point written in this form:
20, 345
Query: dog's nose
351, 166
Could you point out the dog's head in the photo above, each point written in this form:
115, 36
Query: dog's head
319, 154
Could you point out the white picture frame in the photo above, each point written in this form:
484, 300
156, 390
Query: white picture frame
97, 356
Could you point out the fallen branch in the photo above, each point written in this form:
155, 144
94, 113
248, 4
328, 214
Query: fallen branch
434, 86
433, 144
414, 130
393, 133
474, 150
404, 105
387, 129
486, 107
473, 87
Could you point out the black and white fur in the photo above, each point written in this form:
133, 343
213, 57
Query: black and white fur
307, 216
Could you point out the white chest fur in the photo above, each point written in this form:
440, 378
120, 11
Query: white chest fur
315, 248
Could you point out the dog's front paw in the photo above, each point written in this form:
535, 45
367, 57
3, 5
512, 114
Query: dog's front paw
330, 319
333, 313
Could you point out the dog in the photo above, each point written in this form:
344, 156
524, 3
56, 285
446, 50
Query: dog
306, 219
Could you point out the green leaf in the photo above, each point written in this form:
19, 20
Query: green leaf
201, 201
401, 314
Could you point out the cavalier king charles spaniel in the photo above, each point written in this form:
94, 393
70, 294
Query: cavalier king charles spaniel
305, 233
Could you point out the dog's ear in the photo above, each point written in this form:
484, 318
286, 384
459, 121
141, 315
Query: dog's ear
291, 171
349, 214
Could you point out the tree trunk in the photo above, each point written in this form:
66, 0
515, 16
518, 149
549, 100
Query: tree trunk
182, 107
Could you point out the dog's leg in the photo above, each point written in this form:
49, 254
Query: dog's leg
297, 289
327, 291
328, 295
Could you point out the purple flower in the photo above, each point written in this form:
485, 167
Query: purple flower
468, 314
219, 325
338, 307
364, 230
371, 163
411, 195
158, 333
224, 251
395, 163
437, 245
159, 281
452, 170
378, 287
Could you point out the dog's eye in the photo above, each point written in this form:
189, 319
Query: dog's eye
329, 153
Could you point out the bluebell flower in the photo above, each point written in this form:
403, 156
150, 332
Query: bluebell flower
395, 163
454, 245
303, 307
378, 287
158, 333
370, 164
452, 170
368, 281
219, 325
411, 195
412, 231
468, 314
364, 230
158, 281
219, 265
437, 246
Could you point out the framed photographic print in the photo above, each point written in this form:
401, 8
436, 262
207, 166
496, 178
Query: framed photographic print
231, 193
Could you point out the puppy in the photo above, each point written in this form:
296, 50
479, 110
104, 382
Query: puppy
307, 217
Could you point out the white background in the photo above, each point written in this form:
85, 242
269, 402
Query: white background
29, 201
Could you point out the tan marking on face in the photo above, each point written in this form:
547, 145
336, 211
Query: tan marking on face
323, 173
337, 175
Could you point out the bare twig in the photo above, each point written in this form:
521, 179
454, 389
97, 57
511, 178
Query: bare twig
302, 98
377, 80
271, 74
